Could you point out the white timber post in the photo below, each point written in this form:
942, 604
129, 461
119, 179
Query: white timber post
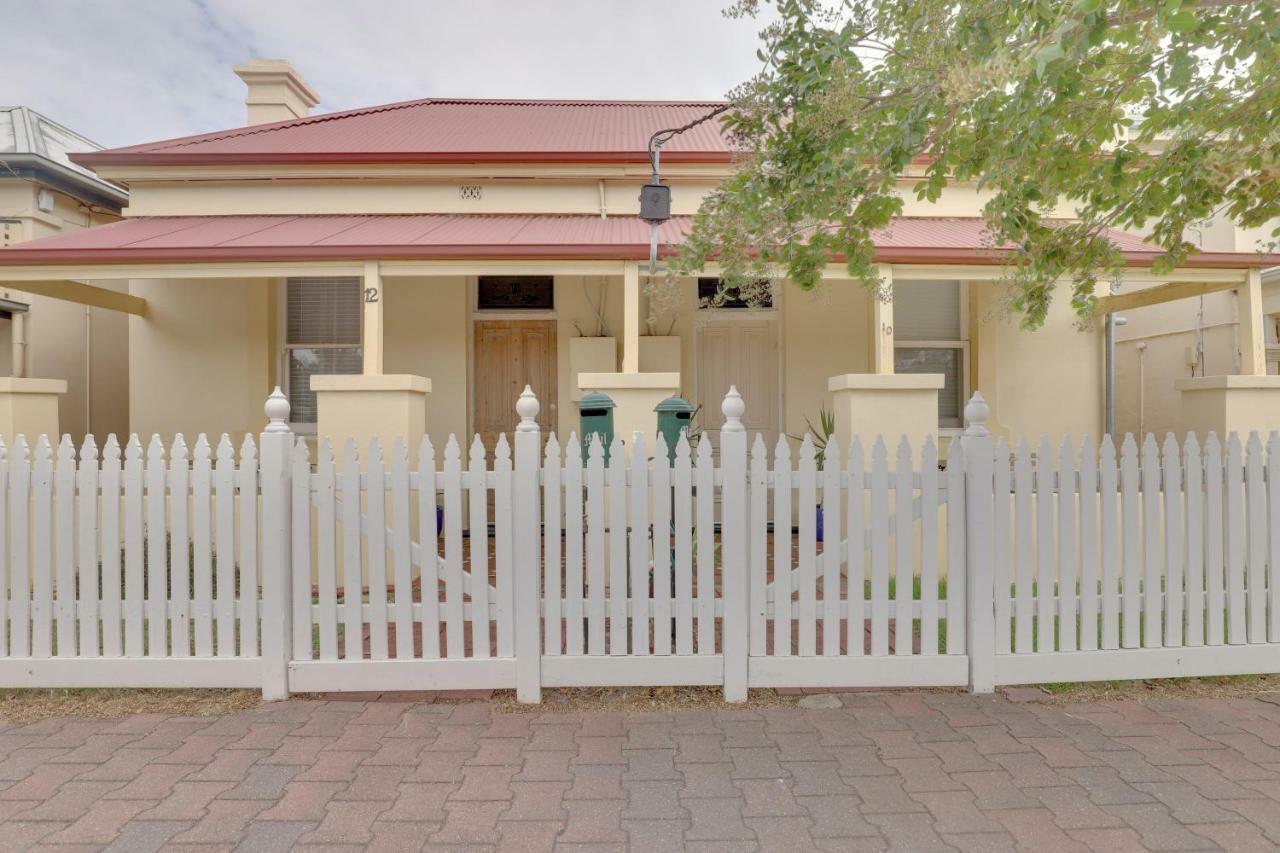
979, 511
373, 318
527, 551
1253, 345
733, 546
276, 449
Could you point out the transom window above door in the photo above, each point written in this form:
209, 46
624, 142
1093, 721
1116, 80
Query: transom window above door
713, 294
516, 293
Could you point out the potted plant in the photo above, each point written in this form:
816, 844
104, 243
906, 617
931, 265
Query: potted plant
821, 433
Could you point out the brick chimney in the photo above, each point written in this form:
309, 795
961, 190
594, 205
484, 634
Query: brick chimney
276, 92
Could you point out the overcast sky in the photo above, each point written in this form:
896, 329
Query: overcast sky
128, 71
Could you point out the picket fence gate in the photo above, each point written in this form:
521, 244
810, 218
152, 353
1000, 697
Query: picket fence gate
546, 566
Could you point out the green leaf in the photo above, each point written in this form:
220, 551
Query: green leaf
1183, 21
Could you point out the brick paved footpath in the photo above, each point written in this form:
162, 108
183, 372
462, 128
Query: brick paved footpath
908, 771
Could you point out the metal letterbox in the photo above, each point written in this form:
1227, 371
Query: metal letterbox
595, 417
674, 415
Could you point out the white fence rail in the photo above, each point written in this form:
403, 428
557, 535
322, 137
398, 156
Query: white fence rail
346, 568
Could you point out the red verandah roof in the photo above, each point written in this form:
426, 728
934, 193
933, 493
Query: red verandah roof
921, 240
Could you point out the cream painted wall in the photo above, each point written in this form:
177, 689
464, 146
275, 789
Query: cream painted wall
426, 335
202, 360
86, 347
1047, 382
825, 333
574, 314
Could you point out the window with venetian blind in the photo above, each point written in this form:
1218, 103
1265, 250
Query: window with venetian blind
929, 334
322, 336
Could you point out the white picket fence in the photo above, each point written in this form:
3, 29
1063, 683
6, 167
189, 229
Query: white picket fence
542, 565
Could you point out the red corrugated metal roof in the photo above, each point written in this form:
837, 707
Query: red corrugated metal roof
921, 240
438, 130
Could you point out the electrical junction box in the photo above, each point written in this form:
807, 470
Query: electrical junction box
655, 202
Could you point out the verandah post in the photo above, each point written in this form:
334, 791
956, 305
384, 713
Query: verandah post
733, 546
276, 449
979, 472
526, 554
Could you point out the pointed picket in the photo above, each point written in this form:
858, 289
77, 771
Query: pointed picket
1002, 478
179, 549
1024, 486
831, 539
451, 484
957, 545
782, 548
1194, 485
879, 549
616, 567
662, 568
1131, 491
1068, 572
157, 558
202, 515
758, 552
112, 644
352, 567
1110, 544
20, 565
704, 496
1045, 580
1273, 525
64, 535
1152, 592
929, 547
574, 576
1256, 525
1236, 532
478, 548
856, 553
806, 578
1088, 545
904, 551
247, 474
682, 489
639, 558
134, 572
1214, 544
327, 549
300, 570
428, 550
503, 542
6, 605
41, 550
402, 551
1174, 542
596, 618
552, 571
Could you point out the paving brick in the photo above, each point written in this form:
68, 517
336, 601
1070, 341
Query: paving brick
782, 833
756, 763
100, 822
485, 783
955, 812
912, 832
153, 782
1072, 809
837, 817
378, 782
1186, 803
187, 801
545, 767
593, 822
597, 782
42, 782
70, 801
654, 800
923, 774
302, 801
1241, 837
303, 751
265, 782
656, 835
400, 836
231, 765
346, 823
606, 749
273, 836
144, 836
123, 765
816, 778
1035, 829
498, 752
421, 801
225, 821
650, 764
717, 819
1157, 826
537, 801
700, 749
434, 766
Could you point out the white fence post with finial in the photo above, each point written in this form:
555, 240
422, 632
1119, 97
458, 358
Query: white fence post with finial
979, 473
733, 546
526, 551
275, 450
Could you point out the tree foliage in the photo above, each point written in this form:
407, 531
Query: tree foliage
1075, 116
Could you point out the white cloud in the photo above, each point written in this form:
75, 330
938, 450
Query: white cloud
132, 71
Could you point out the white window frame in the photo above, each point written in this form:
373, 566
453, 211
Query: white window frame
962, 344
283, 361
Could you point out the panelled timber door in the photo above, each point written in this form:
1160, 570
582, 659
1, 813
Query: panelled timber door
510, 354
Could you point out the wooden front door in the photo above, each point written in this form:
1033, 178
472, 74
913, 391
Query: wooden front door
743, 352
509, 355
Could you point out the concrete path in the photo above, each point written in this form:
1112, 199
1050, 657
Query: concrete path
908, 771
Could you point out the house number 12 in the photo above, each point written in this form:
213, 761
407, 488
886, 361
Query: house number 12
371, 294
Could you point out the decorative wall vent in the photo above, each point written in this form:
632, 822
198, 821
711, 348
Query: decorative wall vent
470, 192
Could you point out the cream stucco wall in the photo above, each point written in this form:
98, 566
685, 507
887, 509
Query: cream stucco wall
426, 335
202, 360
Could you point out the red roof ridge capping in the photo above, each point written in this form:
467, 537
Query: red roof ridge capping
152, 151
461, 236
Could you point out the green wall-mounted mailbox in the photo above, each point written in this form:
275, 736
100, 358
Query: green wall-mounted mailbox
674, 416
595, 417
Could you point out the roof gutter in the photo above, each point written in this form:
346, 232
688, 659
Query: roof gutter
110, 158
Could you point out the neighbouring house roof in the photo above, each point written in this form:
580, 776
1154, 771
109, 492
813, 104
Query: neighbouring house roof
450, 130
920, 240
35, 146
